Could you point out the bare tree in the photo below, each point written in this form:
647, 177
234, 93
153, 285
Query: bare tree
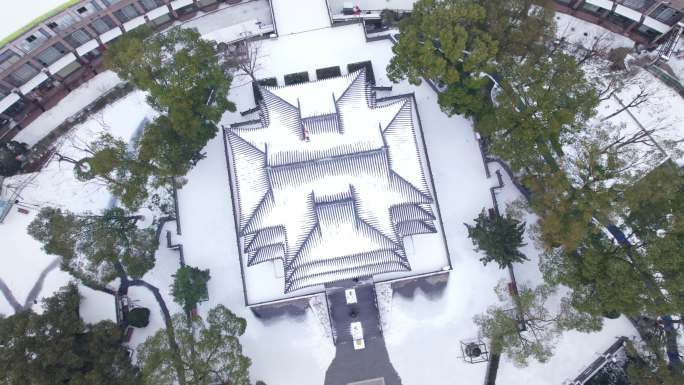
243, 56
643, 94
596, 48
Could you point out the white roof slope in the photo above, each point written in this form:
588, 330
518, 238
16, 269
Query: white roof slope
330, 183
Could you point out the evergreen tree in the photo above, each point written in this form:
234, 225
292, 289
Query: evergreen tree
444, 41
210, 351
456, 43
96, 248
190, 287
57, 347
543, 102
499, 237
502, 325
641, 274
167, 150
182, 73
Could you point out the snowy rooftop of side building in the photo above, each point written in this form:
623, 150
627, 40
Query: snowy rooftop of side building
328, 185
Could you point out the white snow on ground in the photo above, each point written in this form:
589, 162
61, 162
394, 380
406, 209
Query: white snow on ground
16, 15
422, 333
583, 32
57, 186
573, 351
141, 297
71, 104
95, 305
300, 16
663, 112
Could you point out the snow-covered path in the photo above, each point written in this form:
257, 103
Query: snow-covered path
300, 16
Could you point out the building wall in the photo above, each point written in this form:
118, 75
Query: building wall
70, 42
645, 21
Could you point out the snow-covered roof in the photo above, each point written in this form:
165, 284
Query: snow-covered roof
329, 182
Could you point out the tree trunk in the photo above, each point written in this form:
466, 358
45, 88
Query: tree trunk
170, 332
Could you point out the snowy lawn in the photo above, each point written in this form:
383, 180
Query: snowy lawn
57, 186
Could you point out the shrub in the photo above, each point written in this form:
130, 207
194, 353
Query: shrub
364, 64
297, 77
139, 317
328, 72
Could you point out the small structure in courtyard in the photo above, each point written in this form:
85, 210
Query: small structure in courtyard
331, 184
474, 351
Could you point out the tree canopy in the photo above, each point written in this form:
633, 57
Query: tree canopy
637, 275
501, 324
96, 248
210, 351
182, 74
190, 287
57, 347
188, 85
499, 237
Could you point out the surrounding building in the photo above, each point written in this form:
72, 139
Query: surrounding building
42, 64
645, 21
331, 184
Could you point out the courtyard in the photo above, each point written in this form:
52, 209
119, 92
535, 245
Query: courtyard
419, 329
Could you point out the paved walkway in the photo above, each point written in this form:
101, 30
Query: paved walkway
370, 365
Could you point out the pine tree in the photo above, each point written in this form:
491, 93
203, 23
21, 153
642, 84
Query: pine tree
57, 347
432, 44
499, 237
190, 287
96, 248
211, 351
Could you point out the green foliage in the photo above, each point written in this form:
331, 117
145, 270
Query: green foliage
431, 45
9, 153
650, 370
96, 248
543, 102
124, 173
139, 317
499, 237
500, 324
610, 277
187, 85
190, 287
210, 351
57, 347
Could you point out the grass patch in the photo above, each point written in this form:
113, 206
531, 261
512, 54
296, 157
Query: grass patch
37, 20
